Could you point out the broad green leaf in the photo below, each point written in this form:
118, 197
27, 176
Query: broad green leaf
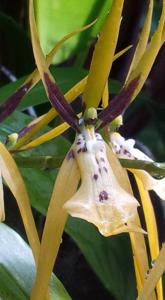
17, 269
57, 18
110, 258
39, 184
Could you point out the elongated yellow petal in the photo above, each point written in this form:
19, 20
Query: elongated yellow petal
155, 273
15, 183
103, 56
2, 209
47, 136
151, 228
137, 239
65, 186
143, 40
146, 62
105, 97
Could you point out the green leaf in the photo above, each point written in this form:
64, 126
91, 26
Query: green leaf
17, 269
110, 258
57, 18
65, 77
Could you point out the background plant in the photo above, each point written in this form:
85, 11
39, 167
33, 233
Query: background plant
44, 178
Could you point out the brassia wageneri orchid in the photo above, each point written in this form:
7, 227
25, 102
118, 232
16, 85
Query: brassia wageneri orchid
97, 187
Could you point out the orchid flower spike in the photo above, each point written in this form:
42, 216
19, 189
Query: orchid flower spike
125, 149
100, 198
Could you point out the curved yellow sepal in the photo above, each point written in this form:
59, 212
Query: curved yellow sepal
151, 228
155, 273
46, 137
143, 40
146, 62
65, 186
140, 256
13, 179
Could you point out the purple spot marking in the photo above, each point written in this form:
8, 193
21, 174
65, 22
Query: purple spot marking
95, 176
126, 152
79, 150
103, 196
70, 155
102, 159
105, 169
78, 143
97, 161
84, 149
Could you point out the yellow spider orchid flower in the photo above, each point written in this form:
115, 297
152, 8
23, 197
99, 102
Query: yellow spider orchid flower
101, 198
125, 149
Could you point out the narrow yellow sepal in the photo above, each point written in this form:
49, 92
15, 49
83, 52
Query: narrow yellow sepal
13, 179
120, 53
146, 62
155, 273
151, 228
140, 256
103, 56
65, 186
46, 137
105, 96
143, 40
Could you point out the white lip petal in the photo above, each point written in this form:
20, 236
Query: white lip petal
125, 149
100, 199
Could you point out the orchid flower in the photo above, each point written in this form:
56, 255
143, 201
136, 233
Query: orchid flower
104, 196
94, 193
125, 149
